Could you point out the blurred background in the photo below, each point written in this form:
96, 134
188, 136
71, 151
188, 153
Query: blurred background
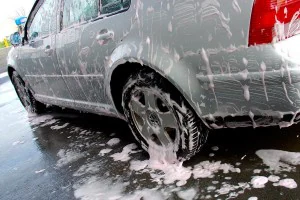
13, 16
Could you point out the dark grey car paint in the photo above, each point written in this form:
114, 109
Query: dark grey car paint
200, 46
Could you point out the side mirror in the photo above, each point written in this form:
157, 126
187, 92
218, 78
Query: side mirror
15, 39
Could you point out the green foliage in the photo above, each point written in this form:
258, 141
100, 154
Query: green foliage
2, 44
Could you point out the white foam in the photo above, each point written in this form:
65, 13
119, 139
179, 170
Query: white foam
165, 160
67, 156
253, 198
287, 183
279, 160
124, 155
259, 181
137, 165
57, 127
145, 194
273, 178
227, 188
172, 173
104, 151
96, 188
171, 170
37, 120
89, 168
40, 171
113, 141
17, 142
188, 194
53, 121
215, 148
207, 169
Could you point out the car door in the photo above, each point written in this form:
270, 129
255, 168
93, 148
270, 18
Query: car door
88, 36
38, 57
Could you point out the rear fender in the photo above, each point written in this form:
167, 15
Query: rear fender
168, 64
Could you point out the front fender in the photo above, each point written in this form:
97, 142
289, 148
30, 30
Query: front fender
12, 61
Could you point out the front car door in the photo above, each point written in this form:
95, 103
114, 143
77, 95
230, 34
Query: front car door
38, 57
90, 32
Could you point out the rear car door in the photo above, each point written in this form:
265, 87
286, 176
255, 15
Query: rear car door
38, 58
89, 33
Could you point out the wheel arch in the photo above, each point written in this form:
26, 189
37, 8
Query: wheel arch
182, 76
10, 71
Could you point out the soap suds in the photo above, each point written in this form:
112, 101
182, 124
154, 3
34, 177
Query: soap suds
53, 121
273, 178
259, 181
37, 120
113, 141
124, 155
287, 183
39, 171
17, 142
136, 165
89, 168
253, 198
279, 161
104, 151
57, 127
96, 188
171, 171
67, 156
188, 194
207, 169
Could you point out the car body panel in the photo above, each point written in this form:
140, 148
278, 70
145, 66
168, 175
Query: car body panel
83, 55
201, 47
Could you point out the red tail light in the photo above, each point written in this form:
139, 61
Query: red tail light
274, 20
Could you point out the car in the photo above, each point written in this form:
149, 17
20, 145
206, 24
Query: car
174, 70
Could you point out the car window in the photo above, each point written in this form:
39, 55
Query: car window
110, 6
44, 20
76, 11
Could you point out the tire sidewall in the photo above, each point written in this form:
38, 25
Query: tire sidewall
34, 106
152, 81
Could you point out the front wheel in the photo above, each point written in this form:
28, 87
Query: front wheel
25, 96
161, 118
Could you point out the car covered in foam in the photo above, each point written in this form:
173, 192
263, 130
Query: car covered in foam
172, 69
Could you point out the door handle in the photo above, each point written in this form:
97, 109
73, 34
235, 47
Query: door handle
105, 35
48, 50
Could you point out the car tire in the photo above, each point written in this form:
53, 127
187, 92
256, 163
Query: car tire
25, 95
149, 101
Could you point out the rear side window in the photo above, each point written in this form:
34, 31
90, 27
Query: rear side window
76, 11
110, 6
44, 21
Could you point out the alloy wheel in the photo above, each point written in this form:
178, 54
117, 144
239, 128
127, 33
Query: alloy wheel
154, 117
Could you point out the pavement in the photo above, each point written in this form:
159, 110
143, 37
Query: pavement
3, 61
65, 154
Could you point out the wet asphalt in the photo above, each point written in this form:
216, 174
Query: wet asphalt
29, 155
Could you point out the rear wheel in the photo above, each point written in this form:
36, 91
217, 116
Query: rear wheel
158, 114
25, 96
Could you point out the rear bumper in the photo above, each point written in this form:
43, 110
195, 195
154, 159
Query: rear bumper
254, 86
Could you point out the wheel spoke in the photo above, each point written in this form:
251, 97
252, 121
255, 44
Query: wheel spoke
163, 137
150, 100
137, 107
146, 131
168, 120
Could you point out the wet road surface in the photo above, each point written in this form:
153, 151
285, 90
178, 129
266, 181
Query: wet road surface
65, 154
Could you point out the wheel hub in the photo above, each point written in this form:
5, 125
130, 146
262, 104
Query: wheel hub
153, 118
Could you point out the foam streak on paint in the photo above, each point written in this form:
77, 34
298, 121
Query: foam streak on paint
263, 68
